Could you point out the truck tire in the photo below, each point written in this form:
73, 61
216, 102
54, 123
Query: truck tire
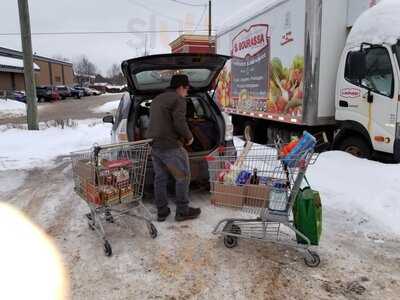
248, 132
356, 146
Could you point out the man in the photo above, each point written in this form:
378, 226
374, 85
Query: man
170, 132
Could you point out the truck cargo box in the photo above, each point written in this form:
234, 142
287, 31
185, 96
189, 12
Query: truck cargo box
284, 62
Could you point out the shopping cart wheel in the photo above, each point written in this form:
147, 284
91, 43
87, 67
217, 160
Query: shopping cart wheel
153, 231
230, 241
312, 259
109, 217
107, 248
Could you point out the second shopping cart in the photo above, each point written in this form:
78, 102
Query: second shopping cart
261, 182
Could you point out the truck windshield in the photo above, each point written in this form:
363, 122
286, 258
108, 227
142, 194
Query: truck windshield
397, 47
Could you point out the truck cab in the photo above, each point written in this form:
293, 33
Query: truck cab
368, 83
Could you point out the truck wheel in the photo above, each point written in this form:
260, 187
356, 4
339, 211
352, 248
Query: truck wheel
356, 146
248, 132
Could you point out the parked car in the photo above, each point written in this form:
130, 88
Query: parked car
148, 76
95, 92
64, 91
77, 94
47, 93
86, 91
14, 95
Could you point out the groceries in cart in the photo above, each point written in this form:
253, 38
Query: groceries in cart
111, 184
110, 179
296, 151
262, 181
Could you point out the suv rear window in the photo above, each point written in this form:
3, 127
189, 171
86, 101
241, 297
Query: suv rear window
160, 79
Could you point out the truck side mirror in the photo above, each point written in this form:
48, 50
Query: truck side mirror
108, 119
357, 65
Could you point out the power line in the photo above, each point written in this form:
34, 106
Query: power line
135, 2
201, 18
188, 4
102, 32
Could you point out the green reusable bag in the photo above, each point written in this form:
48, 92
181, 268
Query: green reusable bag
307, 213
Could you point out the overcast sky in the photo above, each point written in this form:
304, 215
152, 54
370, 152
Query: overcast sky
107, 15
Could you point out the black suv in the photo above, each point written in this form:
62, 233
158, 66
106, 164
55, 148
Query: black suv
149, 76
47, 93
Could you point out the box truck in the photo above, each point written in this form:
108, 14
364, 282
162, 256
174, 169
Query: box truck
319, 65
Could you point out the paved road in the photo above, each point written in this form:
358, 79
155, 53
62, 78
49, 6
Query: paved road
70, 108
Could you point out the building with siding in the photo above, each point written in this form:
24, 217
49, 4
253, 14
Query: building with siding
193, 43
48, 71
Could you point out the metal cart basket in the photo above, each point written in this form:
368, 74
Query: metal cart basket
254, 179
110, 179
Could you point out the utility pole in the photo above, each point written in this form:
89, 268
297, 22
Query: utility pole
30, 88
209, 18
209, 27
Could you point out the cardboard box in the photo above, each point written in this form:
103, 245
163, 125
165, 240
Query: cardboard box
257, 195
228, 195
92, 194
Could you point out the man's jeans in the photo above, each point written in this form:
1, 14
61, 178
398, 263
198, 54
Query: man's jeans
174, 162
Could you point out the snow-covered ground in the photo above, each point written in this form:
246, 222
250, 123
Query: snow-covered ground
359, 246
23, 149
367, 190
108, 107
12, 108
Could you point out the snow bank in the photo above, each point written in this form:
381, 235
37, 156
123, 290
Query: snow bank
107, 107
361, 188
11, 108
379, 24
23, 149
246, 13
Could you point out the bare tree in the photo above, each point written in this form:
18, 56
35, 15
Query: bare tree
114, 71
115, 75
84, 66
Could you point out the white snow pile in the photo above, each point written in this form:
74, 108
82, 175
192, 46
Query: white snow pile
23, 149
11, 108
379, 24
246, 13
107, 107
364, 189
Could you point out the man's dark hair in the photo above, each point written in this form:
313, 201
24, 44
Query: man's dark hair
179, 80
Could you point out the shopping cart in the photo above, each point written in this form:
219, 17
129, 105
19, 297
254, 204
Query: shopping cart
110, 179
254, 179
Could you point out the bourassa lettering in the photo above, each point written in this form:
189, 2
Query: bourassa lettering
253, 41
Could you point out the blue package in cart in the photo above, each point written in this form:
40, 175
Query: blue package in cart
305, 144
243, 178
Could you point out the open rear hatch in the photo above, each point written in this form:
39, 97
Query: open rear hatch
152, 74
